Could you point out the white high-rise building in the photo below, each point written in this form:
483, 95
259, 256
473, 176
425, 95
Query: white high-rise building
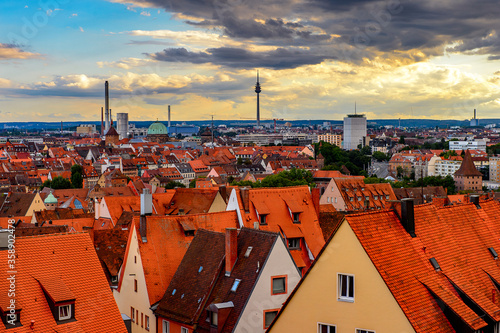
354, 131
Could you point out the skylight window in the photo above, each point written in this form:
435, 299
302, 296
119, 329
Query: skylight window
235, 285
200, 269
249, 249
435, 264
493, 253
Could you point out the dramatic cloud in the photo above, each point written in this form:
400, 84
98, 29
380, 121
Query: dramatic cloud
9, 51
239, 58
367, 25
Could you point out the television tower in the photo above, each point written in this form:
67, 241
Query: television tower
258, 90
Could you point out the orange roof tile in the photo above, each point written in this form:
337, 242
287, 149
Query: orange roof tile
70, 261
458, 237
161, 258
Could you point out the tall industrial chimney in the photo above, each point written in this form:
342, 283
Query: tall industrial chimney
169, 118
102, 121
106, 106
474, 113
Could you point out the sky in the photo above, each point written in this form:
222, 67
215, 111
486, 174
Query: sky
316, 58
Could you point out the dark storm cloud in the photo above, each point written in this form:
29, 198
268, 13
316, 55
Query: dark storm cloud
369, 26
239, 58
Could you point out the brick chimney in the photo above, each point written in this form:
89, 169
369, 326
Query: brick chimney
315, 194
408, 216
223, 192
245, 198
231, 249
143, 228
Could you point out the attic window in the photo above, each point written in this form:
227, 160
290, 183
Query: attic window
114, 279
296, 217
64, 312
263, 219
435, 264
493, 253
247, 253
235, 285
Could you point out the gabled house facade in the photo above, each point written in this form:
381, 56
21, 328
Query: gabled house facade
239, 286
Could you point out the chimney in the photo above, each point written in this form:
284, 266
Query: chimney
231, 249
169, 118
315, 195
256, 225
106, 105
474, 198
245, 198
102, 121
143, 228
223, 192
408, 216
146, 202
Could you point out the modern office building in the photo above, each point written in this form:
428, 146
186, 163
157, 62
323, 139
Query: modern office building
354, 131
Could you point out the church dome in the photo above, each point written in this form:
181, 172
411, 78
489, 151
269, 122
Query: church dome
157, 128
50, 199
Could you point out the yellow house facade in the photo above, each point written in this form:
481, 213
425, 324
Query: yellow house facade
342, 292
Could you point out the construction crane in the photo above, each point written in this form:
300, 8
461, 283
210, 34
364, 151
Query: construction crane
274, 119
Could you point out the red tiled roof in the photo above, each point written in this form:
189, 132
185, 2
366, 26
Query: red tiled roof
68, 260
458, 237
467, 168
160, 258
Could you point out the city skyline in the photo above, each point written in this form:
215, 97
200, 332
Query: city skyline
316, 58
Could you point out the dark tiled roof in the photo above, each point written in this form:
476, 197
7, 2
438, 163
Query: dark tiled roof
110, 246
467, 168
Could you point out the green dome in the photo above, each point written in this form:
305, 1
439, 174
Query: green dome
50, 199
157, 128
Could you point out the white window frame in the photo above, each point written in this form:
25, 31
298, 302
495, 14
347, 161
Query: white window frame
184, 330
339, 288
165, 326
329, 326
68, 316
362, 330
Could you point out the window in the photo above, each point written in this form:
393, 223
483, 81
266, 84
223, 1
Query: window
214, 319
278, 285
263, 219
64, 312
137, 316
375, 197
269, 316
147, 323
142, 319
132, 314
166, 327
387, 197
135, 285
184, 330
335, 199
296, 217
325, 328
363, 331
235, 285
346, 287
294, 243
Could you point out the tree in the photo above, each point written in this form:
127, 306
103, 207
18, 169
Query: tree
192, 184
399, 171
77, 176
402, 139
294, 177
380, 156
46, 183
174, 184
60, 183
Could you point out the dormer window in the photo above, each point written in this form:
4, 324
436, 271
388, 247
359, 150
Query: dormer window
64, 312
263, 219
11, 319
